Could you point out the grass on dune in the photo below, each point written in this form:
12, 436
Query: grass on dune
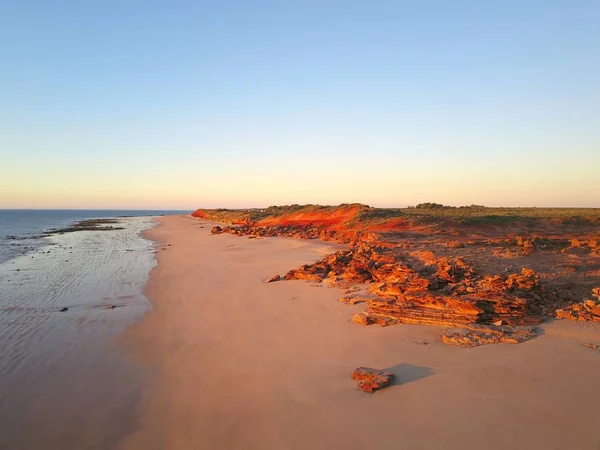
425, 213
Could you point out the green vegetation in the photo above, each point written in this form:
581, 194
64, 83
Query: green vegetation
421, 214
429, 206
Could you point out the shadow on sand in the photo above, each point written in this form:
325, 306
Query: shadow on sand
407, 373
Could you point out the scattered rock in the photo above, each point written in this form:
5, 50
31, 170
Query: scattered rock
273, 278
586, 311
476, 336
353, 300
370, 380
65, 309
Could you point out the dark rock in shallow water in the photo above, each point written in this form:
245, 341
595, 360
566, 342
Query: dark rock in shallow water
88, 225
65, 309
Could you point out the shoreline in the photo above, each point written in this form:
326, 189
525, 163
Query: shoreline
26, 234
244, 364
64, 381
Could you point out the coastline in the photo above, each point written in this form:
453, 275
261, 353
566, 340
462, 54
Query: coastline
243, 364
64, 381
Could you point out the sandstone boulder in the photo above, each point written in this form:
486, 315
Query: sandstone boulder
370, 380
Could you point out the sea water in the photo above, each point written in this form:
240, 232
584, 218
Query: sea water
21, 230
63, 301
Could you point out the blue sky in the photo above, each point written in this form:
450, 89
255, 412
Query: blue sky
181, 104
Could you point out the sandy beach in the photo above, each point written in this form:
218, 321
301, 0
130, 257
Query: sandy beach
241, 364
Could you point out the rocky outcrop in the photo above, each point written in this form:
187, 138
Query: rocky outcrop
474, 337
371, 380
448, 294
586, 311
448, 270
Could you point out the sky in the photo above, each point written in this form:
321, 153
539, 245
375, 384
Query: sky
186, 104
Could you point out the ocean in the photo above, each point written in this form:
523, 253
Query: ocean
20, 229
64, 300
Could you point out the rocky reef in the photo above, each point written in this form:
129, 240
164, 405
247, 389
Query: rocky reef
487, 278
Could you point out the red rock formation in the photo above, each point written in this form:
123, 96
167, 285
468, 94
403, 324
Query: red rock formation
453, 270
415, 285
451, 296
354, 300
370, 380
475, 337
455, 244
586, 311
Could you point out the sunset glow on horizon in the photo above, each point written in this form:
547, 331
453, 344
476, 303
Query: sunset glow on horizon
152, 105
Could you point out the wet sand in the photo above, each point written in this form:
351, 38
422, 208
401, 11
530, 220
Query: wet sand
64, 383
245, 365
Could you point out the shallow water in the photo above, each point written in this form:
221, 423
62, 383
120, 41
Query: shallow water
20, 229
63, 382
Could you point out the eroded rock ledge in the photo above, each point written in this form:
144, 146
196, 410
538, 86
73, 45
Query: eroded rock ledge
588, 310
448, 278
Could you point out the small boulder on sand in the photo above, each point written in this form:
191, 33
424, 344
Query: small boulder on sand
371, 380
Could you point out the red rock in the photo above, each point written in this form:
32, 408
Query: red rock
526, 281
272, 279
586, 311
474, 337
576, 243
354, 300
454, 270
370, 380
411, 283
454, 295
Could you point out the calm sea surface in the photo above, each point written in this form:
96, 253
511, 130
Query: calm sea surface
20, 228
64, 384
